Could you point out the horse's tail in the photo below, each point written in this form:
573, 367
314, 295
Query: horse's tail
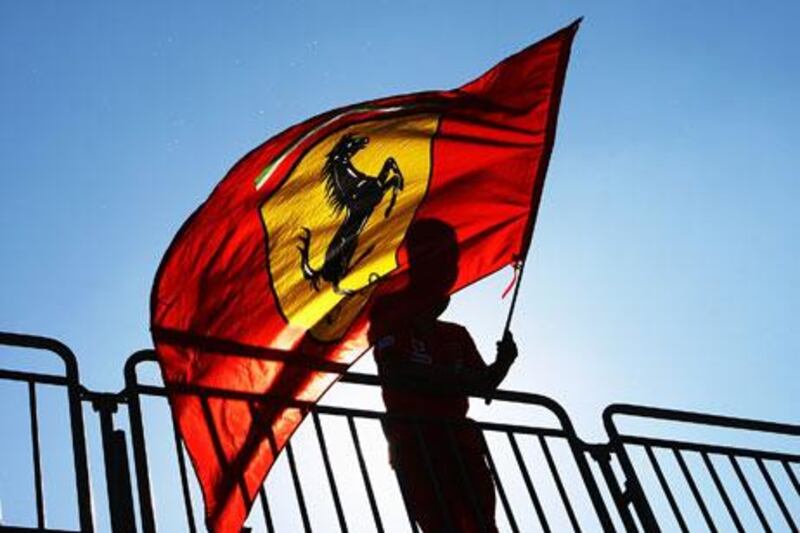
309, 273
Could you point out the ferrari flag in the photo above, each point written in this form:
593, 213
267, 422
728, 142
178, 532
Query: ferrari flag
265, 295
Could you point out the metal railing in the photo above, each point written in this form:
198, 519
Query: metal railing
334, 473
710, 458
544, 437
69, 381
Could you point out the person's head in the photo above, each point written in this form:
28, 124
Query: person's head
432, 268
432, 252
431, 256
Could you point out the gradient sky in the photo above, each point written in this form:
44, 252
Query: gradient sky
665, 268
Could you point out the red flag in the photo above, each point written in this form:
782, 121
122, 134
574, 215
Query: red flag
266, 289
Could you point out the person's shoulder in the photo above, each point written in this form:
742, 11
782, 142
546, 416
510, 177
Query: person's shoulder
452, 328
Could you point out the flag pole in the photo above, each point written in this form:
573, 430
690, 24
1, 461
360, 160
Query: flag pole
519, 266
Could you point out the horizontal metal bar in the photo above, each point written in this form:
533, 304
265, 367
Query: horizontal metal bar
21, 529
358, 378
701, 418
709, 448
236, 349
487, 426
210, 392
36, 342
213, 346
47, 379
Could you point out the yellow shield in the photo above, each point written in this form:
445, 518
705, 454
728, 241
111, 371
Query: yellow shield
301, 206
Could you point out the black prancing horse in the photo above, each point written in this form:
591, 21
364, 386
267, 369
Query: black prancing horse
358, 194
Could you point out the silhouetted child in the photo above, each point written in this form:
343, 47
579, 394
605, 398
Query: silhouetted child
429, 368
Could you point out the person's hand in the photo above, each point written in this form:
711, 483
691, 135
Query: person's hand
506, 353
506, 350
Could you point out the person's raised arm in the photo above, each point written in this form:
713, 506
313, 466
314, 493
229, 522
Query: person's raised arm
488, 378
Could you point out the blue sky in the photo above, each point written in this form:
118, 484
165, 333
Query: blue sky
665, 265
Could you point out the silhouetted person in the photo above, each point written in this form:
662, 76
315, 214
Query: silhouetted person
429, 368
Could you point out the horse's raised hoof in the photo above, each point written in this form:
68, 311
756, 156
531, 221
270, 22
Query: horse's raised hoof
342, 292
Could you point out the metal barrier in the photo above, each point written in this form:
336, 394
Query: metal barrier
545, 438
71, 382
710, 458
334, 476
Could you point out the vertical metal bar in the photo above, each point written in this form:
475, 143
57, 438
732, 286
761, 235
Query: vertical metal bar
776, 493
528, 483
437, 489
262, 495
633, 487
301, 502
122, 481
559, 485
665, 487
589, 481
465, 477
792, 477
106, 432
140, 456
695, 491
37, 460
187, 496
603, 458
403, 492
362, 465
329, 471
401, 485
82, 485
115, 461
749, 492
512, 522
722, 492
